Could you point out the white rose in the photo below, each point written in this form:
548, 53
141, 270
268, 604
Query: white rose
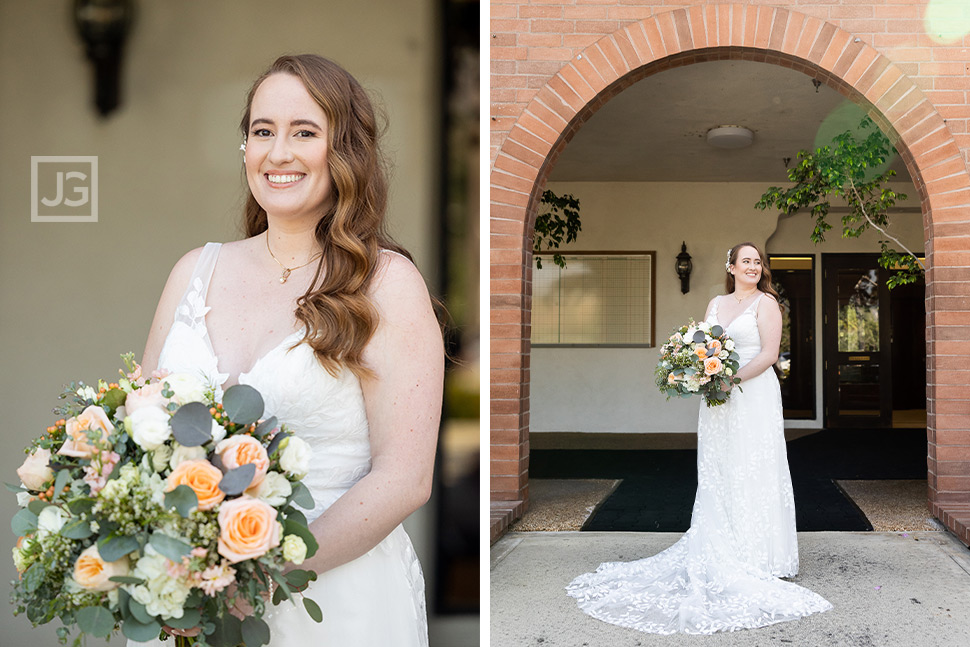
50, 520
294, 550
149, 427
729, 344
728, 371
36, 470
218, 432
186, 387
160, 457
273, 489
295, 456
23, 498
183, 453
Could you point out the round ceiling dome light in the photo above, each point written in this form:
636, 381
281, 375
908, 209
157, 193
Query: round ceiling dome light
730, 137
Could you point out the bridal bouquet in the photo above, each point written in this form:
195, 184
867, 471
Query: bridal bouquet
698, 359
151, 506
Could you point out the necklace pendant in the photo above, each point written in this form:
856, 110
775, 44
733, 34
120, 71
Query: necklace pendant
285, 275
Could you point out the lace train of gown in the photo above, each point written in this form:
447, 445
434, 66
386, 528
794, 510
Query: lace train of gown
375, 600
722, 574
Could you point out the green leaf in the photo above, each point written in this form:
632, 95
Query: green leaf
172, 548
295, 515
313, 609
295, 528
228, 632
78, 529
190, 618
301, 496
183, 499
283, 590
299, 578
14, 488
37, 505
96, 621
34, 576
113, 399
716, 331
281, 593
24, 522
63, 477
81, 505
139, 612
277, 439
126, 579
192, 424
114, 547
141, 632
255, 632
236, 481
265, 427
243, 404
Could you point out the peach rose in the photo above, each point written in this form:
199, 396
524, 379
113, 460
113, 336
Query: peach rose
700, 350
92, 573
203, 477
78, 444
712, 365
715, 345
36, 470
241, 450
248, 529
147, 396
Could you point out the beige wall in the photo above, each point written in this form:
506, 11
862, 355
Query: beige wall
612, 390
73, 296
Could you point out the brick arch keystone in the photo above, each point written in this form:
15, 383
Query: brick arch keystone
702, 33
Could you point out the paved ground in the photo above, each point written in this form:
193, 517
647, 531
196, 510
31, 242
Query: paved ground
889, 589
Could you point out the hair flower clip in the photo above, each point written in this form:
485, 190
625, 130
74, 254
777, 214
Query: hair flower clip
727, 264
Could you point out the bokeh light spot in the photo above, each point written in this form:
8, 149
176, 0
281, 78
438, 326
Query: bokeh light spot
947, 21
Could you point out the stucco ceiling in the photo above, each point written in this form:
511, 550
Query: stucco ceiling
655, 131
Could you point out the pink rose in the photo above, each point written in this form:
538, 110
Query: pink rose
147, 396
242, 449
248, 529
36, 470
78, 444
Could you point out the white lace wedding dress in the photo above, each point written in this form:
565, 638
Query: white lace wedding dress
722, 575
376, 600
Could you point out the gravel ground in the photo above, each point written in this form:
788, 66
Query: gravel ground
891, 505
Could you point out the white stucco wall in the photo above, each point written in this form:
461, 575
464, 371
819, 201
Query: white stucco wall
611, 389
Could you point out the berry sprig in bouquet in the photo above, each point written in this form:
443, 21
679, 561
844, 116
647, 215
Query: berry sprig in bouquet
152, 509
698, 358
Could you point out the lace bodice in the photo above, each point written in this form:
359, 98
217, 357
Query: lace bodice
326, 411
743, 329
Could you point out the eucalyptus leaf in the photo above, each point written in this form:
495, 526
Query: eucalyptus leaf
699, 337
192, 424
24, 522
183, 499
301, 496
172, 548
284, 587
190, 618
255, 632
138, 631
37, 505
78, 529
113, 399
265, 427
281, 593
14, 488
126, 579
313, 609
123, 598
277, 439
243, 404
114, 547
81, 505
96, 621
716, 331
34, 576
236, 481
228, 632
139, 612
63, 478
298, 578
293, 514
301, 531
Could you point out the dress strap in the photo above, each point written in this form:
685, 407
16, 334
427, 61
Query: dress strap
391, 251
192, 309
754, 305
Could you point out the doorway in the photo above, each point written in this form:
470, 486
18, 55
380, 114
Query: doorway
874, 367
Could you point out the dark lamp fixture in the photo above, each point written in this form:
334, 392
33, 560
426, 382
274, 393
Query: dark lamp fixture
683, 267
103, 26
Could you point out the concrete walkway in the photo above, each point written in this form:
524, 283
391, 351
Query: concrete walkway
888, 590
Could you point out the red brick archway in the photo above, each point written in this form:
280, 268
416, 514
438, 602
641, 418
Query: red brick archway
757, 33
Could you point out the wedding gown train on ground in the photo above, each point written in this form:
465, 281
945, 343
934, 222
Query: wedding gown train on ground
722, 575
376, 600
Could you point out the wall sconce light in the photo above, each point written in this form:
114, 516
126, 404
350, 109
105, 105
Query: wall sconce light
103, 26
683, 267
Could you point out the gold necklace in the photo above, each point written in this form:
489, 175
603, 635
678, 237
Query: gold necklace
287, 270
742, 298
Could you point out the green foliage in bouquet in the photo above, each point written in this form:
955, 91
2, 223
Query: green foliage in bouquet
847, 170
129, 506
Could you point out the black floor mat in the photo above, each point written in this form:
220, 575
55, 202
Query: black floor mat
658, 486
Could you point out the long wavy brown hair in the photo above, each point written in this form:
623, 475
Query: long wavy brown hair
764, 283
339, 317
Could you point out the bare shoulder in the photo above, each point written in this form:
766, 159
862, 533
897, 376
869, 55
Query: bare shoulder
397, 279
769, 306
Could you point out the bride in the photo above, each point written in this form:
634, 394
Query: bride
722, 575
332, 323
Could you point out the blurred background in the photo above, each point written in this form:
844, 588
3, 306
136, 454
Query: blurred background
162, 123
